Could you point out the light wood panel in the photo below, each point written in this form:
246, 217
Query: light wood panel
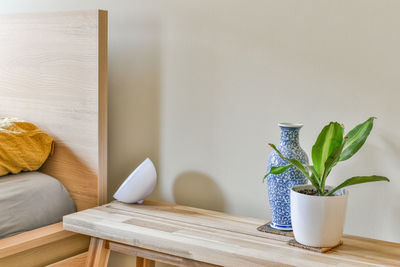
103, 104
75, 261
31, 239
98, 253
41, 247
217, 238
145, 255
53, 72
141, 262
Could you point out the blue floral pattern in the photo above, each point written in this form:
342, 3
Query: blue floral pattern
279, 185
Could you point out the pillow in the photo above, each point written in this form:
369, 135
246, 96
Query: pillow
23, 146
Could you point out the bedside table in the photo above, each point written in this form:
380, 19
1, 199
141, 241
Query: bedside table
186, 236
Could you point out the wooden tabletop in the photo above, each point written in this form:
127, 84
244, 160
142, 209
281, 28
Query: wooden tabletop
217, 238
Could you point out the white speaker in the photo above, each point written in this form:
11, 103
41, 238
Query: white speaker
139, 184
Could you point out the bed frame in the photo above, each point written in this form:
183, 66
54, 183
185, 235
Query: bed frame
53, 72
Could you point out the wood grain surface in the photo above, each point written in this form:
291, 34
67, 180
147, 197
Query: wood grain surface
98, 253
53, 73
75, 261
217, 238
43, 246
145, 256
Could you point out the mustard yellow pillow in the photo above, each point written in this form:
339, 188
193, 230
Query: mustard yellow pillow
23, 146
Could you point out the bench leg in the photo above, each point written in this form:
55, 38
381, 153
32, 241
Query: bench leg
141, 262
98, 253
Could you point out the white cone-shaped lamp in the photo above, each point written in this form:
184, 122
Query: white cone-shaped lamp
139, 184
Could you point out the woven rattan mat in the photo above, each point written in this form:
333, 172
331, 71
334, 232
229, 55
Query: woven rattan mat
294, 243
268, 229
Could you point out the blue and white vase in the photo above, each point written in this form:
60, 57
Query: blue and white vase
279, 185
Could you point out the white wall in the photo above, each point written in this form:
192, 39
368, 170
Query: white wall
199, 86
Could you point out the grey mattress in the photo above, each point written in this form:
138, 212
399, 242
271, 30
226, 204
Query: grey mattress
31, 200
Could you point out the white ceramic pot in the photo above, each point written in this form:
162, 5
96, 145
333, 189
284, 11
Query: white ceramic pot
317, 221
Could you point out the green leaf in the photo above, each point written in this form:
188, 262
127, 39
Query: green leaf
278, 170
356, 138
313, 171
330, 138
314, 178
330, 163
300, 167
314, 181
277, 151
295, 162
303, 168
358, 180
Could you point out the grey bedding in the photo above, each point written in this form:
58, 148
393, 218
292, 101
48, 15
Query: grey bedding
31, 200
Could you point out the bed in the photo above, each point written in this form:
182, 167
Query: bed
53, 73
31, 200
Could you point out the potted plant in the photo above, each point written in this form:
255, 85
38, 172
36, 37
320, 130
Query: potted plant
318, 210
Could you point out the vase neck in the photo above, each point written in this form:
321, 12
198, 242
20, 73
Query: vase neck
289, 136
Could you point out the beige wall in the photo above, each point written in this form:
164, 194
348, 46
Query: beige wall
199, 86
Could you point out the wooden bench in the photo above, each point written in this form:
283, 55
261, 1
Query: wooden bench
186, 236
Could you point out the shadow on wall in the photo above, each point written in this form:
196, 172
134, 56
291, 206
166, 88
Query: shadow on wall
134, 95
198, 190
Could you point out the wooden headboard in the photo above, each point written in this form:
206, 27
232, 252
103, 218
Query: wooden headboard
53, 73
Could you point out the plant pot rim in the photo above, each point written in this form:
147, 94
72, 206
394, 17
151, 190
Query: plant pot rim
343, 192
290, 125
